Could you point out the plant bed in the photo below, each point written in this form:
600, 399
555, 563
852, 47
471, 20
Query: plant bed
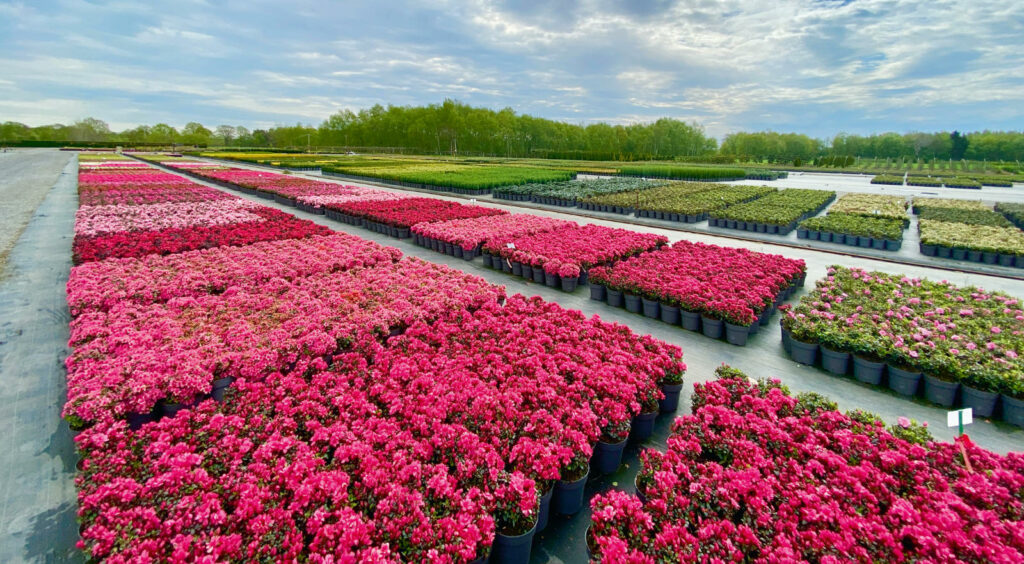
570, 252
799, 452
695, 279
776, 213
963, 336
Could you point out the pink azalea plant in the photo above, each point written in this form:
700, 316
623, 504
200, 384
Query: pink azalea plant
756, 475
406, 212
962, 334
733, 284
569, 250
473, 232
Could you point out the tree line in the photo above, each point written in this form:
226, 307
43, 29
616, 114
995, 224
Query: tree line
454, 128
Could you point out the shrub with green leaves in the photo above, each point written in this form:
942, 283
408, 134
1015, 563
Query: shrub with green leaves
676, 172
782, 208
970, 217
871, 205
858, 225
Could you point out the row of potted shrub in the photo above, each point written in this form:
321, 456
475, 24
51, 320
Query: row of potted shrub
776, 214
688, 202
562, 257
127, 226
464, 238
756, 474
571, 192
950, 338
854, 230
720, 291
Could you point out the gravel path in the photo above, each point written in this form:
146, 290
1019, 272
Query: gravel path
25, 178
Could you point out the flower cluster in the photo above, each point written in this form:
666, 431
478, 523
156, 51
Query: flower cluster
129, 357
272, 182
957, 334
757, 475
406, 212
271, 225
101, 285
732, 284
568, 251
133, 212
471, 233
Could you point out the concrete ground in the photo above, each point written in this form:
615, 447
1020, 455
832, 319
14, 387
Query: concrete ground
37, 456
26, 176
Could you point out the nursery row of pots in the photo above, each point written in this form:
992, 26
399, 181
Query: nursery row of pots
404, 184
851, 240
971, 255
692, 321
535, 273
903, 381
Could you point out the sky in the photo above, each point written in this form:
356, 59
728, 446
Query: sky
815, 67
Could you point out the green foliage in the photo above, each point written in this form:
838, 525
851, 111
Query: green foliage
887, 179
781, 208
812, 403
683, 172
970, 217
862, 226
913, 432
688, 198
578, 189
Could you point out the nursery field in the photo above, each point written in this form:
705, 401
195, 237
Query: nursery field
267, 367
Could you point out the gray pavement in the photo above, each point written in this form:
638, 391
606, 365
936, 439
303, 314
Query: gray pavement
26, 176
37, 456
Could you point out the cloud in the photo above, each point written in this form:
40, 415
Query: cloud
792, 65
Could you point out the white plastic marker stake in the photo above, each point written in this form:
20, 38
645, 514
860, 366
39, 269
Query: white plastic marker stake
472, 200
959, 418
510, 245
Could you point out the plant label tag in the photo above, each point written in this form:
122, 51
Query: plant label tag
510, 245
959, 417
472, 200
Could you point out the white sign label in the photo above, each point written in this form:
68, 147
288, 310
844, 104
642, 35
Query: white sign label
510, 245
472, 200
953, 417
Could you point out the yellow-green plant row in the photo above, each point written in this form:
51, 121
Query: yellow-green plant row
872, 205
984, 238
921, 203
689, 198
683, 172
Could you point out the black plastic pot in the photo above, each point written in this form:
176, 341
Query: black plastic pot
670, 314
711, 327
607, 456
597, 292
550, 280
568, 499
615, 298
651, 308
983, 403
1013, 410
513, 550
569, 284
867, 371
833, 361
538, 274
737, 334
632, 303
642, 426
939, 391
671, 401
903, 382
690, 320
544, 511
803, 353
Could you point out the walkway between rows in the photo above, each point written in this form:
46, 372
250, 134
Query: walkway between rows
37, 456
